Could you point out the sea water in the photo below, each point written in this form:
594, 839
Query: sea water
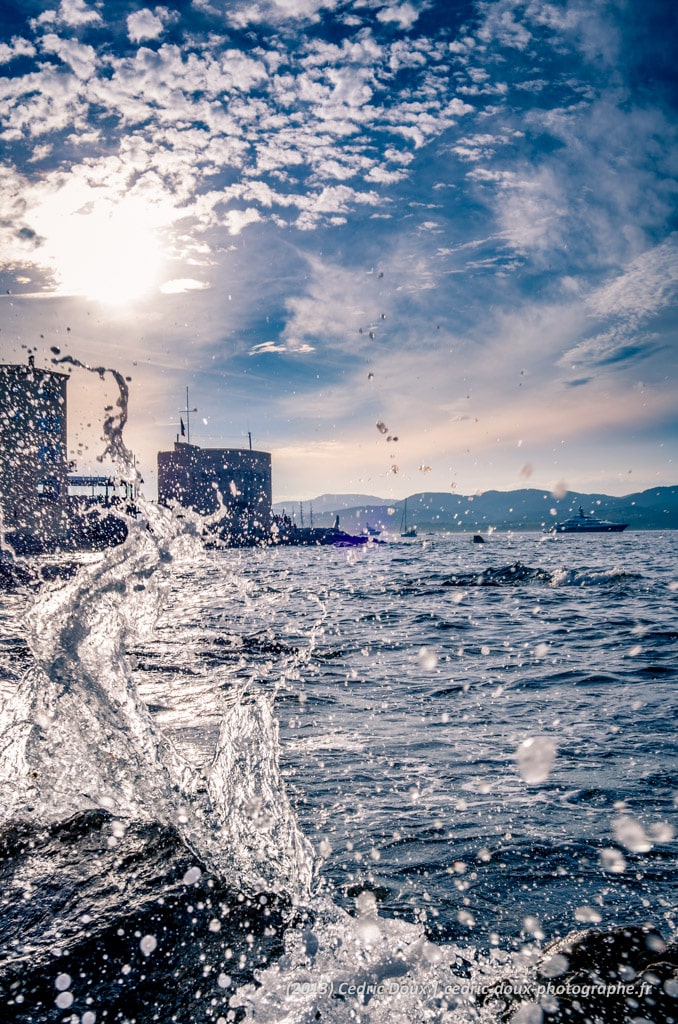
338, 785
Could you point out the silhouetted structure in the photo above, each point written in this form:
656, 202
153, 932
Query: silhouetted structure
235, 480
38, 513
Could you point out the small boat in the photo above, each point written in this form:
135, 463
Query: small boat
371, 531
581, 523
405, 530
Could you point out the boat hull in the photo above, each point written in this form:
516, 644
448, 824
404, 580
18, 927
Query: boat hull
602, 528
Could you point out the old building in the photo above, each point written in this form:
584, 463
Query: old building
33, 452
39, 511
231, 484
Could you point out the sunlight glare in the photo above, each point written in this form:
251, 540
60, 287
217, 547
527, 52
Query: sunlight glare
113, 254
104, 248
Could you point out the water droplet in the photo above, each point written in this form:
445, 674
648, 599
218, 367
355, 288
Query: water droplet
631, 834
611, 860
533, 926
324, 848
535, 757
63, 982
427, 658
224, 980
529, 1013
148, 944
192, 876
554, 966
366, 903
662, 832
64, 1000
432, 953
587, 915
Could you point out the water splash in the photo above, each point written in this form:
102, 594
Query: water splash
78, 737
114, 424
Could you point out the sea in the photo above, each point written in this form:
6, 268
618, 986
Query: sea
341, 785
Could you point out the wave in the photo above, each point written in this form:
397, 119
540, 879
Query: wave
518, 574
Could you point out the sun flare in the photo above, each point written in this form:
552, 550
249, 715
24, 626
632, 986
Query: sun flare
113, 255
104, 248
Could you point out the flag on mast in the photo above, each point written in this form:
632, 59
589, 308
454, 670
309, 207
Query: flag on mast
183, 428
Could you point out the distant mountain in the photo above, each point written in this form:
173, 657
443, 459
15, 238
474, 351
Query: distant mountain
330, 503
525, 509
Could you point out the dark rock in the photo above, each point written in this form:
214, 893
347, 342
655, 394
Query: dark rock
594, 977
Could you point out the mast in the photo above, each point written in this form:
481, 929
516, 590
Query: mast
188, 419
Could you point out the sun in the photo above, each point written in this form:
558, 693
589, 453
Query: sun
101, 245
112, 254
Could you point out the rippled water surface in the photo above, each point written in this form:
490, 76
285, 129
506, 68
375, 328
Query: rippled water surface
476, 752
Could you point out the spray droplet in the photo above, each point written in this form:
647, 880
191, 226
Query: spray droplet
192, 876
587, 915
631, 834
535, 757
555, 966
324, 848
427, 658
148, 944
611, 860
529, 1013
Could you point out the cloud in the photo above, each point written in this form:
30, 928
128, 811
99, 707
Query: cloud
246, 14
628, 304
648, 285
145, 24
81, 59
403, 15
500, 25
236, 220
383, 188
77, 13
18, 47
182, 284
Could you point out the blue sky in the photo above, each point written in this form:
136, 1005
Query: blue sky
409, 246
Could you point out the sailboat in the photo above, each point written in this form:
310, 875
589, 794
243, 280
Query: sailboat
405, 530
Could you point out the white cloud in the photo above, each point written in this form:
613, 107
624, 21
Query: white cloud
500, 25
182, 284
648, 285
77, 13
144, 24
17, 48
403, 15
278, 10
80, 58
236, 220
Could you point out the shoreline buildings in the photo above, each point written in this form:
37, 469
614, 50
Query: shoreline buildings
40, 508
235, 482
43, 508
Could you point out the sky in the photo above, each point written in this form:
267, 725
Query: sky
421, 245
